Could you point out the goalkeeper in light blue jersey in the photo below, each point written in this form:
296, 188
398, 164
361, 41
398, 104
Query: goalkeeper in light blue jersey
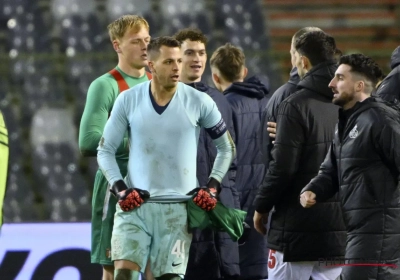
163, 118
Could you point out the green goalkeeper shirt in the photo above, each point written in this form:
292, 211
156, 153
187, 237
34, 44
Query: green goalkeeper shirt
99, 103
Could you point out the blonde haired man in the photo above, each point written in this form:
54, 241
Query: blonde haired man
248, 98
129, 36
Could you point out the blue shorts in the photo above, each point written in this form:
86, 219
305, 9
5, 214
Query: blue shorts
154, 231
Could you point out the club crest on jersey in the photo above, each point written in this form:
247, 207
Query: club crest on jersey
354, 132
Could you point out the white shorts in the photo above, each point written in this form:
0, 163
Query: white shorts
280, 270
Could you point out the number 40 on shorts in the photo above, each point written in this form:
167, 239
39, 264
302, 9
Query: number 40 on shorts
179, 248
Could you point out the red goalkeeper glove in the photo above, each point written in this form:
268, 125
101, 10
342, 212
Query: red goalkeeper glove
206, 197
128, 198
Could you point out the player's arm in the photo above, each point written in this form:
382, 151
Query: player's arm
114, 131
325, 184
99, 103
215, 126
206, 197
286, 154
211, 120
226, 151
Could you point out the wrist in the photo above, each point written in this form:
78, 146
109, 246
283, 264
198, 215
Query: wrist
118, 186
214, 184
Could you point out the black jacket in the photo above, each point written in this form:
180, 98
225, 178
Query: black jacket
305, 129
271, 111
389, 89
248, 99
363, 167
213, 255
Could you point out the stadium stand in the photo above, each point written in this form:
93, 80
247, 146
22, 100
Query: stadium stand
367, 26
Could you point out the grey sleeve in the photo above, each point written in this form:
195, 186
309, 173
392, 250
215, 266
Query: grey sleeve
226, 151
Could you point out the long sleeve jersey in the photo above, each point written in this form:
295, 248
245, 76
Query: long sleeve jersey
163, 146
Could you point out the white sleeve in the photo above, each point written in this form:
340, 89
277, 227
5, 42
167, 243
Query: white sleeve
112, 137
209, 115
215, 126
226, 151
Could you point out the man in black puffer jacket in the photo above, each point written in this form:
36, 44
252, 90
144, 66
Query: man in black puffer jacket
363, 167
213, 255
271, 110
389, 89
248, 99
305, 129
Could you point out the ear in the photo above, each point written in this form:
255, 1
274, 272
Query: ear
216, 78
245, 72
115, 44
305, 63
150, 64
359, 86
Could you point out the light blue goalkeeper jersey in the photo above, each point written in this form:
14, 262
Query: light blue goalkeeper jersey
163, 148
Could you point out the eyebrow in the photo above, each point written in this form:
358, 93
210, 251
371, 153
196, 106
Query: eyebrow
148, 37
192, 50
172, 59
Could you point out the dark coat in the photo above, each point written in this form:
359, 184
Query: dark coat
363, 167
248, 99
213, 255
271, 111
389, 89
305, 129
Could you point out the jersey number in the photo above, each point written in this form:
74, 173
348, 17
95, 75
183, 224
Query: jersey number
178, 249
271, 259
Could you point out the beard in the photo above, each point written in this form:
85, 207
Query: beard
342, 99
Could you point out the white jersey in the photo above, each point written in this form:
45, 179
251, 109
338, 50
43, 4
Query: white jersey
163, 147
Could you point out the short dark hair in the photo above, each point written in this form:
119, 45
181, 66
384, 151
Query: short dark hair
229, 60
192, 34
317, 46
304, 30
364, 66
156, 43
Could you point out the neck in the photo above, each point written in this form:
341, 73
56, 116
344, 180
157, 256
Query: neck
351, 104
225, 85
161, 94
129, 70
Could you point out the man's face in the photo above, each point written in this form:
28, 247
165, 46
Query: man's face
194, 59
343, 86
133, 47
167, 66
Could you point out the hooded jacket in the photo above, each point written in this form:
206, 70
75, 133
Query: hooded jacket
271, 111
305, 129
363, 167
248, 100
389, 89
213, 250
